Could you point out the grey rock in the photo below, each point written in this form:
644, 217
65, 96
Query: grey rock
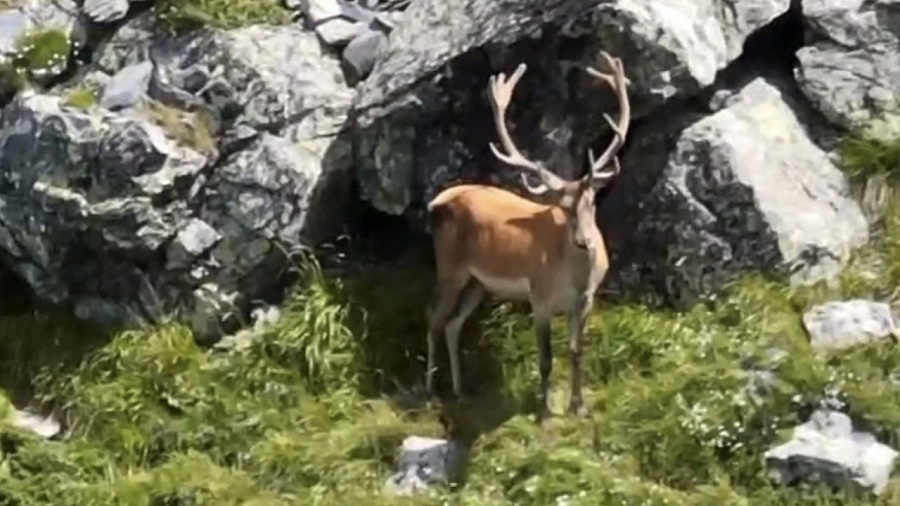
339, 31
127, 87
852, 70
74, 203
105, 11
423, 462
361, 53
45, 427
13, 24
705, 198
318, 11
826, 449
842, 324
428, 69
194, 239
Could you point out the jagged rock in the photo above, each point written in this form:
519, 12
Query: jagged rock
127, 87
105, 210
826, 449
701, 199
105, 11
430, 70
423, 462
851, 71
842, 324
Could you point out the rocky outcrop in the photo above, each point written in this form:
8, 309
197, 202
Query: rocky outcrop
704, 198
851, 68
439, 57
120, 215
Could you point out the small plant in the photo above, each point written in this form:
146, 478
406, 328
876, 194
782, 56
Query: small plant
81, 97
192, 129
186, 15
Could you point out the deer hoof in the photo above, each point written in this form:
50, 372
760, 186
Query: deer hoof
578, 410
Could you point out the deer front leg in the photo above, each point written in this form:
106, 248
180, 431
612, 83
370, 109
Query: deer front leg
577, 323
545, 351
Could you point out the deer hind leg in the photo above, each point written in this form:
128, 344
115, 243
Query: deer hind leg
577, 322
448, 294
472, 295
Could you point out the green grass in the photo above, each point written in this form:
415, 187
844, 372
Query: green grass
184, 15
309, 411
865, 155
81, 98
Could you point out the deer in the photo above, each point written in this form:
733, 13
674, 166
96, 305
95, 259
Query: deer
546, 250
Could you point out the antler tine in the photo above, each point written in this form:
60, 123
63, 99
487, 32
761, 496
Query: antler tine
619, 83
501, 91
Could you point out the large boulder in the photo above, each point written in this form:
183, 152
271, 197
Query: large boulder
423, 118
704, 198
851, 68
124, 216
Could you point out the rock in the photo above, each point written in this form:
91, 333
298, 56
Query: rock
682, 43
127, 87
705, 198
842, 324
13, 24
105, 11
361, 52
423, 462
194, 239
45, 427
437, 61
852, 69
339, 31
78, 201
115, 215
826, 449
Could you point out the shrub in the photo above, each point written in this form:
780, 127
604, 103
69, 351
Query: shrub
184, 15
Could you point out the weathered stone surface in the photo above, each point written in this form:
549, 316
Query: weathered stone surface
841, 324
827, 450
742, 189
431, 67
127, 87
106, 211
105, 11
424, 461
851, 71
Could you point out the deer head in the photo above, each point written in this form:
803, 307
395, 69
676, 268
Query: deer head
575, 197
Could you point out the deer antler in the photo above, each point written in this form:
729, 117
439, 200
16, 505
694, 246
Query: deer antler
619, 84
501, 91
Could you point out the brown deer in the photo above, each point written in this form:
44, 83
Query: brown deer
490, 240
